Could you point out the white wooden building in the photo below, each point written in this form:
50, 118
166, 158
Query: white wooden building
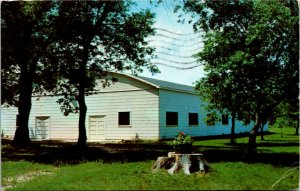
132, 107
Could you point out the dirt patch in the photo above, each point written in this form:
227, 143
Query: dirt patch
10, 182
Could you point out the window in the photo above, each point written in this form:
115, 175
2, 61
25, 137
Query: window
193, 119
124, 118
172, 118
225, 119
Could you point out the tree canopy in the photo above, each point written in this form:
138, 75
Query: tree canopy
250, 54
25, 37
97, 37
65, 46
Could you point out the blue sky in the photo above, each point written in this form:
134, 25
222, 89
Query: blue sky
175, 43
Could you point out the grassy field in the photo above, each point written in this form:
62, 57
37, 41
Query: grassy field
280, 140
70, 169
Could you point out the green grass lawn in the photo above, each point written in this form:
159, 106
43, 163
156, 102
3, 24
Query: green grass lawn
278, 141
225, 175
137, 176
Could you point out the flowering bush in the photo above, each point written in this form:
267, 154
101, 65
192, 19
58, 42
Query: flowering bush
182, 139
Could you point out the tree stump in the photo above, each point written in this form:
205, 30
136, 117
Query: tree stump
189, 163
163, 162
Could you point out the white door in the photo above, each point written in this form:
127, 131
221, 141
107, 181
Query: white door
96, 128
42, 124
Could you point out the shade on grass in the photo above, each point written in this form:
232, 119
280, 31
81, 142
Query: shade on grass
226, 174
137, 176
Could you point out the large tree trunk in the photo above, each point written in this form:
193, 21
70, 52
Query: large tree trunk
252, 136
82, 115
82, 138
232, 136
21, 137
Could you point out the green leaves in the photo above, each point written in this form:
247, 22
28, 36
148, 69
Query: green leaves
182, 139
246, 53
25, 37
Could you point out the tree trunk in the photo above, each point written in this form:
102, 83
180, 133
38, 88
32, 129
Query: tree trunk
297, 128
262, 131
252, 136
21, 137
232, 137
82, 115
81, 100
82, 138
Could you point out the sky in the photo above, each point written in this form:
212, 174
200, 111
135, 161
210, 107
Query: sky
175, 43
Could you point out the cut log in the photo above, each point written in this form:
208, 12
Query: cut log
189, 163
163, 162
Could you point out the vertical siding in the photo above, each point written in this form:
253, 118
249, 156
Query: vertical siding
184, 104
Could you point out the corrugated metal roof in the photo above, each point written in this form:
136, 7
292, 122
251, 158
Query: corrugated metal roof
168, 85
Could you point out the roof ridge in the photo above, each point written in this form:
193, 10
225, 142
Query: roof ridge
164, 81
161, 83
168, 85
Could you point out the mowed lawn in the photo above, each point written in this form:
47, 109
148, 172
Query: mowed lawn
266, 172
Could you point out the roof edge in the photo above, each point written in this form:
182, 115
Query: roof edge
138, 79
154, 85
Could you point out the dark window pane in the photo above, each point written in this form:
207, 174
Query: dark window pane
193, 119
172, 118
124, 118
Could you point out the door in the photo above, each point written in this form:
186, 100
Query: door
42, 124
96, 128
